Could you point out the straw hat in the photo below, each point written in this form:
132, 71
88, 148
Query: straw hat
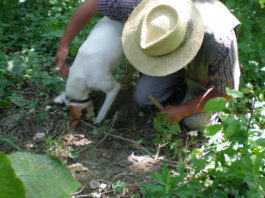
162, 36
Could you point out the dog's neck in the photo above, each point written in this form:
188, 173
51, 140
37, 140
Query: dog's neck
77, 90
72, 100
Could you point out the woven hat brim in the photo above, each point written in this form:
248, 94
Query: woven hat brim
161, 65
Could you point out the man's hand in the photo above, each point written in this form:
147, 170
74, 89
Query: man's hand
60, 58
82, 16
175, 113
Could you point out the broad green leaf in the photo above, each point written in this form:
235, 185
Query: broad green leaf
43, 176
19, 101
246, 90
212, 130
257, 161
215, 104
234, 93
261, 142
199, 164
16, 65
220, 158
10, 185
262, 3
231, 127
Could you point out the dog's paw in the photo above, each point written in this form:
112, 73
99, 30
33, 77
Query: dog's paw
58, 99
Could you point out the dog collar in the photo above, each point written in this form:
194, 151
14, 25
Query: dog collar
77, 101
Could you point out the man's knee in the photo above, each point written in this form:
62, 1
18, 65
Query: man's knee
196, 121
141, 98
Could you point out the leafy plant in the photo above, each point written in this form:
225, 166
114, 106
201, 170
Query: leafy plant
55, 146
9, 140
30, 175
231, 163
167, 134
118, 187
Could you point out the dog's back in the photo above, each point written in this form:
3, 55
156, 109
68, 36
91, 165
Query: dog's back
101, 52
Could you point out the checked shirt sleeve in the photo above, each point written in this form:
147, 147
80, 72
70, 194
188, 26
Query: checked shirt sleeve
225, 70
117, 9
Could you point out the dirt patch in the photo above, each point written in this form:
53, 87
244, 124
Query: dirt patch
98, 155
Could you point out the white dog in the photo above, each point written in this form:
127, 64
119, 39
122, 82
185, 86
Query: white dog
96, 59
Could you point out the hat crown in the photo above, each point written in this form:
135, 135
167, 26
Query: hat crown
162, 30
162, 36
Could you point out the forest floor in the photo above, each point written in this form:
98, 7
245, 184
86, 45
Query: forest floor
120, 153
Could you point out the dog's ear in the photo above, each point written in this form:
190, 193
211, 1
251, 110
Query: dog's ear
75, 115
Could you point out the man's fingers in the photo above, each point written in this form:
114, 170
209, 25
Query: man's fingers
65, 70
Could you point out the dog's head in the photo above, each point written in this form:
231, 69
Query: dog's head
77, 108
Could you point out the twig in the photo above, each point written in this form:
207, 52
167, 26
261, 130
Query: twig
79, 196
76, 193
119, 137
158, 150
251, 113
116, 176
107, 134
156, 103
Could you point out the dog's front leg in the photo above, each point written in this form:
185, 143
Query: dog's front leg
110, 97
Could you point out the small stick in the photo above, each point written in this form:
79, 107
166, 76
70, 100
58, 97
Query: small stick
156, 103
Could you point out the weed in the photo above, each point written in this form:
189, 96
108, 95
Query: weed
230, 164
55, 147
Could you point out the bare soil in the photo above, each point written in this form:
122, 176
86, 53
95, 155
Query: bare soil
95, 154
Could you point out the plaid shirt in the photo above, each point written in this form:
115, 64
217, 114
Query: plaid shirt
117, 9
224, 71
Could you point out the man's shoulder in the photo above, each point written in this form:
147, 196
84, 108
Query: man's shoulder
216, 17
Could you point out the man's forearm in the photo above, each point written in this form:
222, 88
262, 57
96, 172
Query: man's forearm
196, 105
80, 18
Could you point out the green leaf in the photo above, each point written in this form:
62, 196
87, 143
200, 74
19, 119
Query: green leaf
43, 176
73, 155
165, 174
19, 101
174, 128
9, 140
3, 81
141, 114
262, 3
181, 167
10, 185
158, 178
153, 187
94, 132
215, 104
231, 127
188, 192
4, 104
261, 142
212, 130
246, 90
234, 93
